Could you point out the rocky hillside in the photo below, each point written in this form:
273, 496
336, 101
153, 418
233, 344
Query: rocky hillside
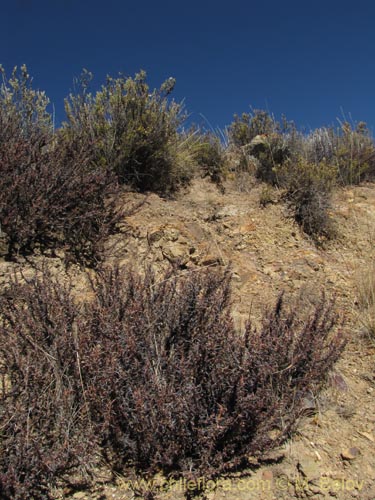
332, 453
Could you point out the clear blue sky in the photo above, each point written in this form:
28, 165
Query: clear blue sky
304, 59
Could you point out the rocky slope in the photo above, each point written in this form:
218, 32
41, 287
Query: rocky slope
332, 454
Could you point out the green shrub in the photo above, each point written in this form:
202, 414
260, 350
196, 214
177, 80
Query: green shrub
247, 126
271, 152
308, 188
266, 196
23, 110
260, 136
135, 131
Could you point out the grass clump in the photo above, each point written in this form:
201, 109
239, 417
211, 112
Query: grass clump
150, 373
211, 157
366, 300
349, 149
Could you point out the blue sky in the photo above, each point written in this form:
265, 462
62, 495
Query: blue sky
308, 60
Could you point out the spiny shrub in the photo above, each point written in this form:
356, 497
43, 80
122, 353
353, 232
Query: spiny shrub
135, 131
51, 195
153, 373
308, 189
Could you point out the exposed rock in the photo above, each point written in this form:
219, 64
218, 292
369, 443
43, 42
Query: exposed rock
309, 468
174, 252
368, 436
267, 475
350, 453
211, 260
156, 235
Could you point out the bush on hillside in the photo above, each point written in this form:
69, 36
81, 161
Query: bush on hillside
23, 110
45, 430
135, 131
308, 189
355, 154
51, 195
247, 126
262, 137
152, 373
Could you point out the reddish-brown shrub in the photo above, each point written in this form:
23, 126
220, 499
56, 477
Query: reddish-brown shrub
51, 196
155, 370
45, 430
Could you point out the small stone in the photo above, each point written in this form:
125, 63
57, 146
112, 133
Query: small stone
267, 475
368, 436
309, 468
155, 235
174, 253
350, 453
172, 234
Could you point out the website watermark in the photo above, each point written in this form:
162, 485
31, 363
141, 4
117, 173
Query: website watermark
282, 483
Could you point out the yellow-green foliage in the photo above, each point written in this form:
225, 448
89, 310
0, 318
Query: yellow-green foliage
23, 110
260, 136
136, 131
247, 126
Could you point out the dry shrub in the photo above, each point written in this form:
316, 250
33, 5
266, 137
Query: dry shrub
51, 197
45, 431
152, 372
51, 194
